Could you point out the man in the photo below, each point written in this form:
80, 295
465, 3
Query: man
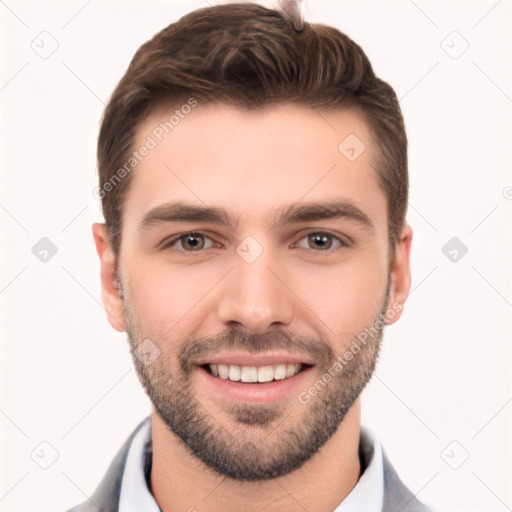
253, 177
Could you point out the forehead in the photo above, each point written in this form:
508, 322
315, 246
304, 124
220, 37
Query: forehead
253, 162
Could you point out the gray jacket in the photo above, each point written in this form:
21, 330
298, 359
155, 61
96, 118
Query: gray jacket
397, 498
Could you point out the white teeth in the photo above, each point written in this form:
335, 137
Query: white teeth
223, 371
266, 373
291, 370
280, 372
249, 374
234, 372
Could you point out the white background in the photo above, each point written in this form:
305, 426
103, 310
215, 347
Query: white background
444, 375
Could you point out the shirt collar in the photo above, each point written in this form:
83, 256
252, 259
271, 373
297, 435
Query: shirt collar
367, 495
135, 495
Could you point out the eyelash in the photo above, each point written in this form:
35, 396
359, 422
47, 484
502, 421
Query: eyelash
169, 243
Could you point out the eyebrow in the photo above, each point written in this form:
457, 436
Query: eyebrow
293, 214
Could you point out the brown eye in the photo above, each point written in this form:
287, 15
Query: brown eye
189, 242
192, 241
322, 242
319, 241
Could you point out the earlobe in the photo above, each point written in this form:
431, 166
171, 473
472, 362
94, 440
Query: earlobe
400, 276
110, 295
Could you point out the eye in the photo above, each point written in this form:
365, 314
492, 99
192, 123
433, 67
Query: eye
189, 242
195, 242
322, 241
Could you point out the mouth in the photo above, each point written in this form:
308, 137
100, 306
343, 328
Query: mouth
254, 378
254, 374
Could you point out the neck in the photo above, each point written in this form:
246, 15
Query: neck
180, 481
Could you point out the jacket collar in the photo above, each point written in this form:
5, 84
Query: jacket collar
397, 497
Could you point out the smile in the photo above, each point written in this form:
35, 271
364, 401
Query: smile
248, 374
262, 377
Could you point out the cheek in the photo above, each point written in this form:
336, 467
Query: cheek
345, 298
167, 297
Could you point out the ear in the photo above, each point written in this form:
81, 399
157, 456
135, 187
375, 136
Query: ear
400, 276
109, 293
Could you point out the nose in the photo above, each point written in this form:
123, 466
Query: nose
255, 296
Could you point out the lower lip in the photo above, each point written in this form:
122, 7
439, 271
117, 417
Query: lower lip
254, 392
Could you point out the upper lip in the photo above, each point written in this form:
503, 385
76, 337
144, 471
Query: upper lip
247, 359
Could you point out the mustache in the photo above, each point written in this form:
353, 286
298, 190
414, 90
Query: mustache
199, 348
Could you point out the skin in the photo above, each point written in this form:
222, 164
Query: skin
250, 164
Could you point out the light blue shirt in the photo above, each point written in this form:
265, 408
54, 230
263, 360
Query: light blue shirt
367, 495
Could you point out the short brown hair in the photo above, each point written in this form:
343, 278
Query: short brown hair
249, 56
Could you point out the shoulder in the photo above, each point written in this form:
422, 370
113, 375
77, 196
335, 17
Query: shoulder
106, 495
396, 495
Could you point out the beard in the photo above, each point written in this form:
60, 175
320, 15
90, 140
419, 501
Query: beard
260, 440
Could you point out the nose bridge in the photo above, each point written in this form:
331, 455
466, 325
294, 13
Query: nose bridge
253, 295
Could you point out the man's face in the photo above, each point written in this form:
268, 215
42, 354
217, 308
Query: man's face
271, 293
